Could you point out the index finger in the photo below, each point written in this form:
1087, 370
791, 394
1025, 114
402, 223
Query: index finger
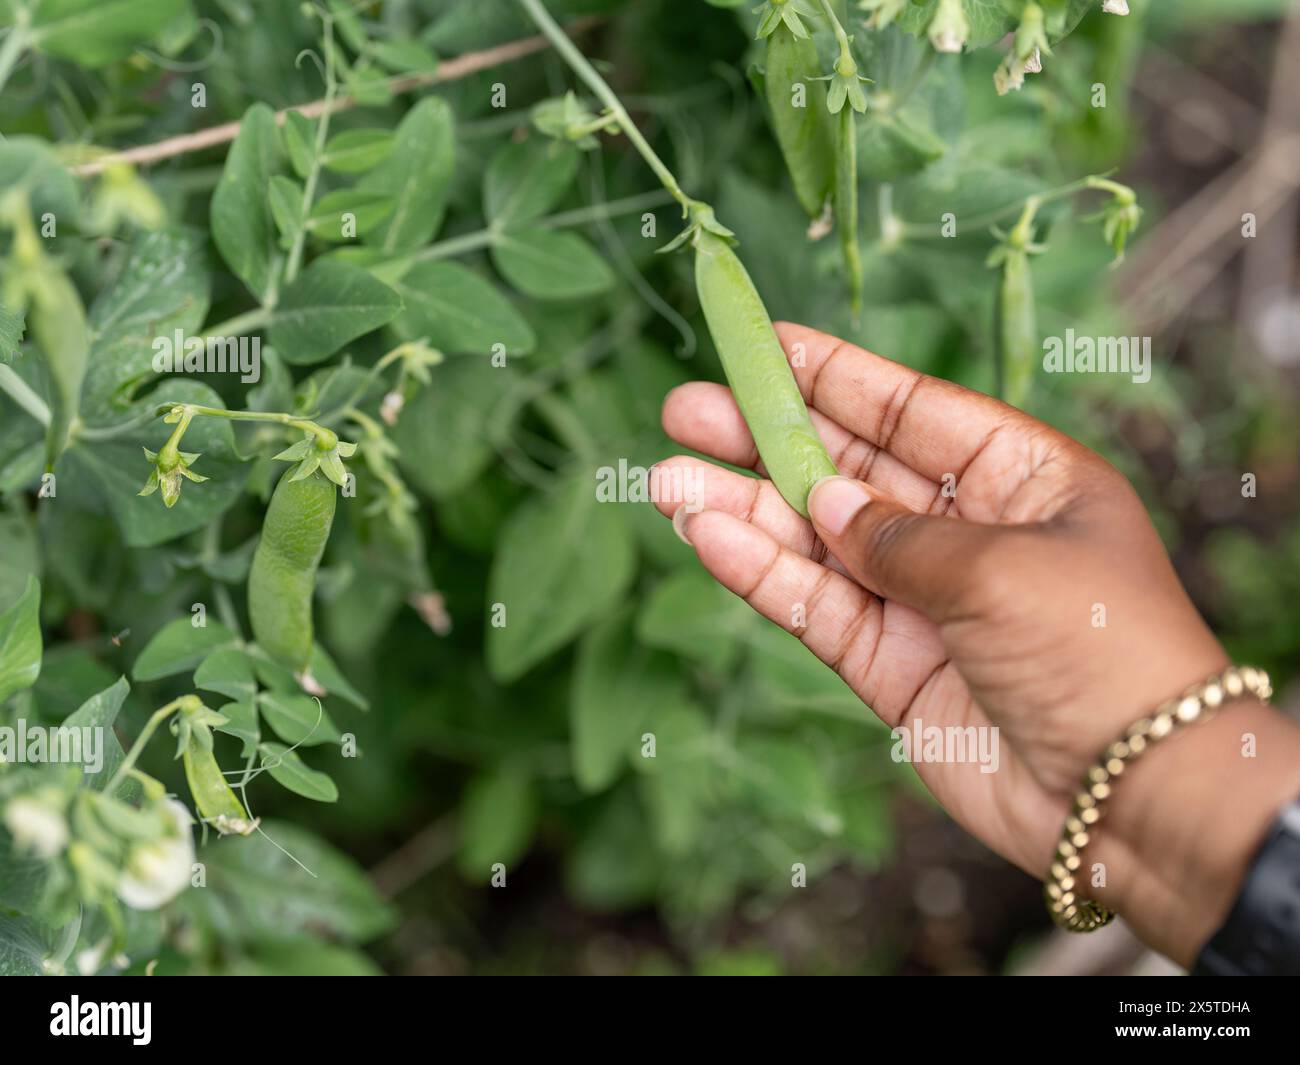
931, 425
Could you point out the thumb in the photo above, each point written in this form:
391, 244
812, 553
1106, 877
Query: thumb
922, 560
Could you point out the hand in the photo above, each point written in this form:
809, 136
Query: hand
974, 567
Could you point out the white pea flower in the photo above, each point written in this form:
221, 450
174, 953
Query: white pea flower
91, 960
391, 407
1114, 7
157, 871
36, 826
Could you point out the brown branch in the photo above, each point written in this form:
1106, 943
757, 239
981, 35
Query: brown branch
415, 858
452, 70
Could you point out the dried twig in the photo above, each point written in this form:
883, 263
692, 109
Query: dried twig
415, 858
452, 70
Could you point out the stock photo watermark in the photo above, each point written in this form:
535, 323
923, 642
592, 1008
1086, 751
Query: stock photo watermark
1098, 355
82, 745
919, 744
214, 354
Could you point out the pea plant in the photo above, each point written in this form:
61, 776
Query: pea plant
330, 404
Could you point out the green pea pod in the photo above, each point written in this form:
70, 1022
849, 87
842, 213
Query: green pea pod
283, 575
215, 800
58, 322
759, 375
802, 132
1018, 341
846, 203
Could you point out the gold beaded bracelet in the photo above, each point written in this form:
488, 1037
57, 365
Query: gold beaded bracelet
1068, 908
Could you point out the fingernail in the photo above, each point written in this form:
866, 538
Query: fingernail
680, 517
834, 500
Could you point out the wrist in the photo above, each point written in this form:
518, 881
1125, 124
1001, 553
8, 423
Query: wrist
1187, 819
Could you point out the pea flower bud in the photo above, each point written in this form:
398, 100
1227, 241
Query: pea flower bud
949, 29
169, 467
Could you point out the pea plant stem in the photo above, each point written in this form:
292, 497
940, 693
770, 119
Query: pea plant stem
241, 324
840, 36
579, 216
21, 393
256, 319
294, 262
307, 426
151, 726
914, 231
578, 62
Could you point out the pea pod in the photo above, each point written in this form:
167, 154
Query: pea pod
1018, 344
283, 574
757, 370
802, 132
214, 798
846, 202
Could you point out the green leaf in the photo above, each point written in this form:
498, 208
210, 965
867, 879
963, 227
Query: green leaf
57, 321
100, 711
328, 675
786, 780
790, 676
299, 957
28, 164
563, 560
284, 196
178, 647
611, 868
988, 19
891, 146
22, 951
549, 265
21, 557
403, 56
299, 133
525, 180
23, 876
291, 772
868, 824
94, 33
347, 213
442, 435
162, 287
691, 613
20, 642
298, 719
12, 326
497, 815
241, 218
679, 781
417, 175
113, 470
227, 672
241, 722
266, 893
460, 312
357, 150
328, 306
619, 689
